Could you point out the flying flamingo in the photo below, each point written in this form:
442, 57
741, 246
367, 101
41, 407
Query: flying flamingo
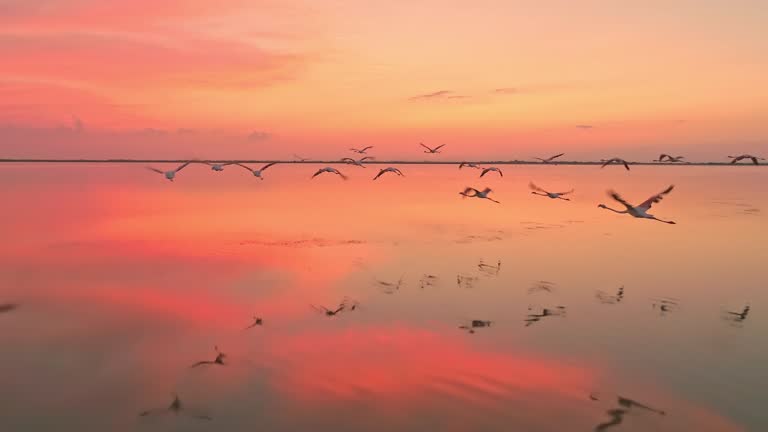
218, 167
669, 158
175, 408
257, 172
432, 150
607, 162
554, 195
389, 169
641, 210
469, 165
362, 150
478, 194
549, 159
746, 156
356, 162
170, 175
489, 169
329, 170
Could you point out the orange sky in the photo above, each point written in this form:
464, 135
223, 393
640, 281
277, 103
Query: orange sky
237, 78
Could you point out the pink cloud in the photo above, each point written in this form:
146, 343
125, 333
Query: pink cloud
117, 60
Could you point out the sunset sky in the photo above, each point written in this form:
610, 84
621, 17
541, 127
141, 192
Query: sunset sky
491, 78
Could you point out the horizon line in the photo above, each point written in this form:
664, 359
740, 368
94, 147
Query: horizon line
371, 162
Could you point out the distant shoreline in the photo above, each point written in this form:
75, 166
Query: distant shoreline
372, 162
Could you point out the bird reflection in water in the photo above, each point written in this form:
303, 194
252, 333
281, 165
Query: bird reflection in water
737, 318
665, 305
350, 304
389, 287
257, 321
218, 361
475, 324
176, 408
489, 269
466, 281
8, 307
544, 312
428, 280
617, 414
541, 286
605, 298
329, 312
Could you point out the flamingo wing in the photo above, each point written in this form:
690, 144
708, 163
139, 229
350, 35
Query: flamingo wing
182, 166
566, 193
155, 170
607, 162
366, 158
536, 188
646, 205
439, 147
555, 156
381, 172
367, 148
267, 166
468, 190
243, 166
621, 200
626, 165
422, 144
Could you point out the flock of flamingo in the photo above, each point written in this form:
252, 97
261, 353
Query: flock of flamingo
638, 211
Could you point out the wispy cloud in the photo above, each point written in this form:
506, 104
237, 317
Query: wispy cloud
537, 88
438, 95
108, 60
584, 126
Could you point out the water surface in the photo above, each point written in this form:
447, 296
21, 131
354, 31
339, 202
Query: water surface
122, 280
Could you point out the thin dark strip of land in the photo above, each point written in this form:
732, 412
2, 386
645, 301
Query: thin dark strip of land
370, 162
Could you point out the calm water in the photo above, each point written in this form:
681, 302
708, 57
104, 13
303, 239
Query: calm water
123, 280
